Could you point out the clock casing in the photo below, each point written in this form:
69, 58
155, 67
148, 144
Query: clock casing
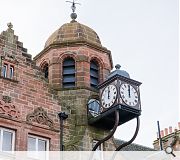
117, 92
127, 102
128, 93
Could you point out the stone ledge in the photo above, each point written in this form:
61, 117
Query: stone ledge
9, 79
77, 88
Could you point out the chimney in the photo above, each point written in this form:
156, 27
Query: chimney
170, 129
162, 133
166, 131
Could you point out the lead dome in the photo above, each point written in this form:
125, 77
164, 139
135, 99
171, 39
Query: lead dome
73, 32
119, 72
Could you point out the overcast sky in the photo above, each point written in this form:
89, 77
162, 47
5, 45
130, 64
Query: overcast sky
141, 34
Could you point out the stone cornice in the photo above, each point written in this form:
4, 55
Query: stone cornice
75, 44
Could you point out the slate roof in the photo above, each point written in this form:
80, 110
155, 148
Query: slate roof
133, 146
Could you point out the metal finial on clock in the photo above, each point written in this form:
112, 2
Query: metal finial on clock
73, 7
117, 66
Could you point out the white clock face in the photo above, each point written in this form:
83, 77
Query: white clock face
129, 94
109, 96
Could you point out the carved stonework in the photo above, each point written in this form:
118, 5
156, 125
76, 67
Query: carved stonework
9, 110
39, 116
8, 56
6, 99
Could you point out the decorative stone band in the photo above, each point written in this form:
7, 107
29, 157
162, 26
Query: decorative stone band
9, 110
40, 116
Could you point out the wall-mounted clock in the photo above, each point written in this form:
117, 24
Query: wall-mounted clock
117, 93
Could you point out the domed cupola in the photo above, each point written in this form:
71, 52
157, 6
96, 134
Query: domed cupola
73, 32
73, 57
118, 72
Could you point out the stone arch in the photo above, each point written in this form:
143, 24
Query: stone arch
67, 54
60, 60
69, 72
44, 66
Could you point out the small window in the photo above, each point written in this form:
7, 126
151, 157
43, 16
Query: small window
35, 147
94, 74
69, 73
11, 72
4, 70
37, 143
7, 139
46, 71
8, 71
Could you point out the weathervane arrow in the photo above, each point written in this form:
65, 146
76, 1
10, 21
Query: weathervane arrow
73, 7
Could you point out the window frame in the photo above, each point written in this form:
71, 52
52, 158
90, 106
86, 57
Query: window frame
45, 70
11, 74
2, 129
6, 73
5, 70
71, 83
38, 138
95, 70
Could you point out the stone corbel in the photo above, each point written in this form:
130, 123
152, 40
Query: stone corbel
40, 116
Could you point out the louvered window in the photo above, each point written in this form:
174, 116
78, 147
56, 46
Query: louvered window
69, 73
94, 74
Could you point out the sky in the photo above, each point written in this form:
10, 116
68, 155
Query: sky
141, 34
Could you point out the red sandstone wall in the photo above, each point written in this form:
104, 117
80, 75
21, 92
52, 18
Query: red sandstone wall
22, 96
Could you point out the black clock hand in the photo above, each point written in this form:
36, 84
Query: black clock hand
108, 92
129, 91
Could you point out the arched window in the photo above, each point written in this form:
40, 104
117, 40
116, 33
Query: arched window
46, 70
94, 74
69, 73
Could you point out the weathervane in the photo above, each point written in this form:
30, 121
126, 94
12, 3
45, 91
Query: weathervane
73, 7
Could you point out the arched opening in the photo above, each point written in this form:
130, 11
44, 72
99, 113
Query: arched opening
94, 74
69, 73
46, 70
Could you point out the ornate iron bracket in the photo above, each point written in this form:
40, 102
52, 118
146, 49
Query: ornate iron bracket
111, 133
132, 139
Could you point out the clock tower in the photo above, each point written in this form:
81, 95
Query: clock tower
74, 62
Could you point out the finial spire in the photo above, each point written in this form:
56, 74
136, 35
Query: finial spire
73, 7
117, 66
10, 26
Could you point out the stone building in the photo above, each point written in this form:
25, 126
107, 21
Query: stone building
62, 77
169, 137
